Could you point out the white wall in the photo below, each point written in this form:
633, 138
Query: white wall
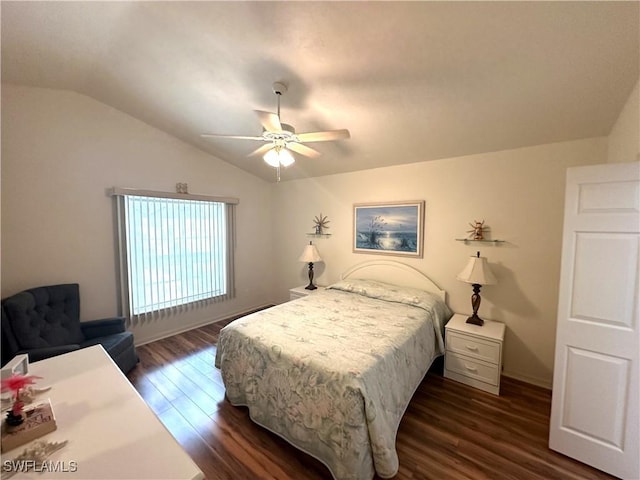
520, 195
624, 138
60, 152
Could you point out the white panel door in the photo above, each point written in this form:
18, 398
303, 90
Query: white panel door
594, 410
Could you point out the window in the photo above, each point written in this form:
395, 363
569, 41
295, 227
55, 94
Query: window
175, 250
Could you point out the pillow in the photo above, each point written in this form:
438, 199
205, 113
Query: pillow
391, 293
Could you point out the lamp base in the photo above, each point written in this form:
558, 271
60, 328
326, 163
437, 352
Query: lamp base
475, 304
311, 286
475, 320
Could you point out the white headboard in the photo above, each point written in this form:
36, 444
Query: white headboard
394, 272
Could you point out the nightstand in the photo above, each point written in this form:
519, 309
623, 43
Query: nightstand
299, 292
473, 353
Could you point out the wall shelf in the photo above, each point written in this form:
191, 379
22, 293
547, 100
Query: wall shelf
471, 240
318, 235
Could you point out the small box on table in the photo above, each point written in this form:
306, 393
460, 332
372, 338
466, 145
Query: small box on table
39, 420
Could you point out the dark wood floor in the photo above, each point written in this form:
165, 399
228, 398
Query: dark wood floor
450, 431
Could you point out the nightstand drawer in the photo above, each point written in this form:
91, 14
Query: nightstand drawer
472, 368
473, 347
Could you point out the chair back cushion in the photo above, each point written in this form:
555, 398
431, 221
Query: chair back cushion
45, 316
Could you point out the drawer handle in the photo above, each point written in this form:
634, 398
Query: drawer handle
472, 348
471, 369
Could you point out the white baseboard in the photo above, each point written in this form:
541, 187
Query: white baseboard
539, 382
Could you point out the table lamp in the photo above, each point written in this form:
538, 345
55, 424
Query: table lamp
477, 273
310, 255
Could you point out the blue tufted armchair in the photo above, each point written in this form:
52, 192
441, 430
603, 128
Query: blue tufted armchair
45, 321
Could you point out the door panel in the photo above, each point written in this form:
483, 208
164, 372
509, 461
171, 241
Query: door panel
605, 298
584, 370
610, 197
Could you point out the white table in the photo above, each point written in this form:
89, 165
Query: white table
111, 431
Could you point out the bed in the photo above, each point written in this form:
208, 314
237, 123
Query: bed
333, 372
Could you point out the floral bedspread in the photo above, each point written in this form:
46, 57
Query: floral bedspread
333, 372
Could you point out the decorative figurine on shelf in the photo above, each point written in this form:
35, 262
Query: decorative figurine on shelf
15, 383
321, 224
478, 230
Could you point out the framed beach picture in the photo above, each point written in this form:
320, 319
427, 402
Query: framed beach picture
394, 228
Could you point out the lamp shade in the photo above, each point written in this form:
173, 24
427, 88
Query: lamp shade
279, 156
310, 254
477, 272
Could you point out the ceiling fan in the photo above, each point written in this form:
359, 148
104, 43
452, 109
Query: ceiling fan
281, 138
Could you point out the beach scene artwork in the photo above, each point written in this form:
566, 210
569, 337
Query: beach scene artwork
394, 229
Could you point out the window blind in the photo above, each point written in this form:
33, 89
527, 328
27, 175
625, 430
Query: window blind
175, 251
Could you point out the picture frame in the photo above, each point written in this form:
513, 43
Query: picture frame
390, 228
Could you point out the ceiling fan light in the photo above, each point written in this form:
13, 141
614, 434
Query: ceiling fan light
278, 157
272, 158
286, 158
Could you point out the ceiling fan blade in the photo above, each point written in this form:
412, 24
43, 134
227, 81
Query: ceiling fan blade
323, 136
261, 150
235, 137
303, 150
269, 121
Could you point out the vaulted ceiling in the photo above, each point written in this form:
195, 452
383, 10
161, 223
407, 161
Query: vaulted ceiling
412, 81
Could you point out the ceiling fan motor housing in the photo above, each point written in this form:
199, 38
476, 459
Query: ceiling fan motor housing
279, 88
287, 134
